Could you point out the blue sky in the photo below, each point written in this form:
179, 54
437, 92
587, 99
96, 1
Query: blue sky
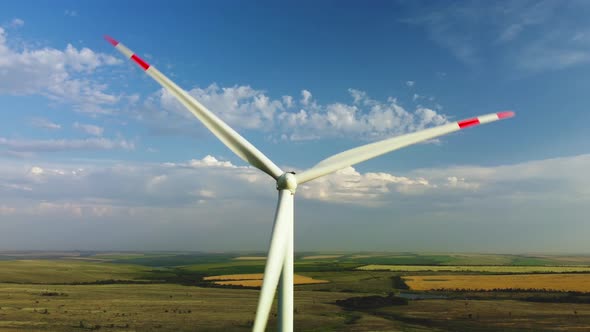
95, 155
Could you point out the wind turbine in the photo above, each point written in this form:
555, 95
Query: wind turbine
279, 263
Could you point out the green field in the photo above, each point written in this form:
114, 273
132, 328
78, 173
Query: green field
66, 271
165, 291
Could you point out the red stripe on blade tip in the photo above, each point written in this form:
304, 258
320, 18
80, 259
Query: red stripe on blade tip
468, 123
111, 40
505, 114
140, 62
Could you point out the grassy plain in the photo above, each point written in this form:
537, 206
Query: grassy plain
46, 294
154, 307
66, 271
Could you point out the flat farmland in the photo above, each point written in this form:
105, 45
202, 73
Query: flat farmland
176, 291
476, 268
553, 282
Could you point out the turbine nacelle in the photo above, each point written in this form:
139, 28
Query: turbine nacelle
287, 181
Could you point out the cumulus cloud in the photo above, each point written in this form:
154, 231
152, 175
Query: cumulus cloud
289, 119
365, 117
239, 106
528, 201
348, 186
53, 145
210, 161
61, 75
168, 185
410, 83
305, 97
89, 129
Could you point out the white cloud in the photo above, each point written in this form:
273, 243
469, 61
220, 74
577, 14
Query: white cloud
305, 97
153, 183
61, 75
529, 35
460, 183
45, 124
552, 181
71, 13
287, 119
210, 161
365, 117
240, 106
17, 23
52, 145
348, 186
288, 101
529, 202
89, 129
35, 170
410, 83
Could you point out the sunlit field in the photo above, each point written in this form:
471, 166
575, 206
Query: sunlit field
333, 292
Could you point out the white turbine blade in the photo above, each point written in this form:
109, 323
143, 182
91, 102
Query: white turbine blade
225, 133
275, 260
372, 150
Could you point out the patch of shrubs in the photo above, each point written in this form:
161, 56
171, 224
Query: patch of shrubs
53, 294
371, 302
398, 283
571, 297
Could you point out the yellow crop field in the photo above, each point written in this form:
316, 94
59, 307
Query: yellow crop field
255, 280
476, 268
557, 282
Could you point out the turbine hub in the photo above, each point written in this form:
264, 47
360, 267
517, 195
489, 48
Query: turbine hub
287, 181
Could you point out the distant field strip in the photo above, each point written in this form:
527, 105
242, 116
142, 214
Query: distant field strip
470, 268
322, 257
557, 282
66, 271
255, 280
250, 258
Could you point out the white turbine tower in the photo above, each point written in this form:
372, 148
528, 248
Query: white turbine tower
279, 263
